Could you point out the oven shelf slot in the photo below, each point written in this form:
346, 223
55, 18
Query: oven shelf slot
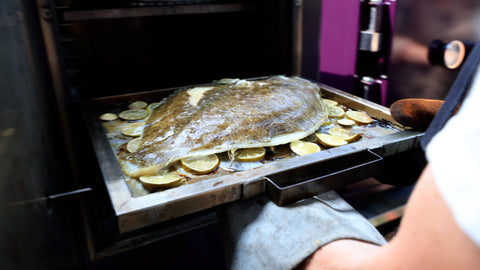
98, 14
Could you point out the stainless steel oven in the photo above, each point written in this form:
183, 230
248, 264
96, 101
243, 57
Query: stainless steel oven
101, 55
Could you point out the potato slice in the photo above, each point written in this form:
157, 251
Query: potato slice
344, 134
329, 140
133, 130
327, 122
132, 145
108, 117
201, 165
329, 102
335, 111
165, 179
138, 105
250, 154
133, 114
303, 148
346, 122
152, 106
359, 117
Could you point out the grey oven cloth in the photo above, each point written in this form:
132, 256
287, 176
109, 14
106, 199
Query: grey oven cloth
258, 234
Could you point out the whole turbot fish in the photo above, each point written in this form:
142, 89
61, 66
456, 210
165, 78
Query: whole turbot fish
206, 120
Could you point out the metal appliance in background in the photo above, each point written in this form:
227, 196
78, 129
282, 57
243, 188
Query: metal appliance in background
450, 55
355, 41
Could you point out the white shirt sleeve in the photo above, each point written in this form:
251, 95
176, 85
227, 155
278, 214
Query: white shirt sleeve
454, 156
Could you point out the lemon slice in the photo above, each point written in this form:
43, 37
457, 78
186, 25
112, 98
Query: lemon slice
359, 117
329, 102
344, 134
133, 114
250, 154
152, 106
329, 140
335, 111
133, 130
303, 148
132, 145
165, 179
201, 165
138, 105
346, 122
108, 117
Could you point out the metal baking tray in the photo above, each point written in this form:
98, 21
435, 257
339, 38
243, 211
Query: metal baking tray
352, 162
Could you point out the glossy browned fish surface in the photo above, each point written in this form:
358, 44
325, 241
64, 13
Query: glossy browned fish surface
212, 119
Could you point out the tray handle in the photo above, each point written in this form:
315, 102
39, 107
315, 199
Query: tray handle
296, 184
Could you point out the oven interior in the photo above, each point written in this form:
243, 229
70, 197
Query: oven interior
108, 48
115, 47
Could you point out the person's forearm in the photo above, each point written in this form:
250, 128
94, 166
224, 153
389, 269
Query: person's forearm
428, 238
342, 254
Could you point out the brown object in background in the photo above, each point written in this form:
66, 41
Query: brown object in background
415, 112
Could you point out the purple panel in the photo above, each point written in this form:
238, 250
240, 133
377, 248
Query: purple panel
338, 42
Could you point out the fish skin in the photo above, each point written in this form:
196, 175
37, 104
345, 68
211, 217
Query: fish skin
247, 114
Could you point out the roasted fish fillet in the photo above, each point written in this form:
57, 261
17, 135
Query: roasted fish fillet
213, 119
